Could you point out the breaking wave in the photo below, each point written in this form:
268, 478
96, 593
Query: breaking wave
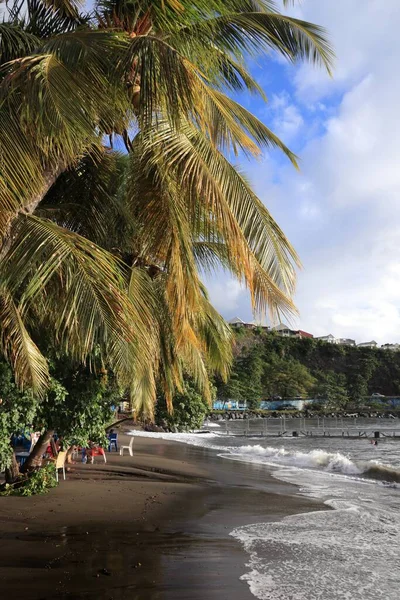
331, 462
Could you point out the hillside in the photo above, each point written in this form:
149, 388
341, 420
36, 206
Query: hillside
267, 365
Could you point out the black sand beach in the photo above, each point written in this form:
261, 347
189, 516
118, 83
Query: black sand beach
155, 526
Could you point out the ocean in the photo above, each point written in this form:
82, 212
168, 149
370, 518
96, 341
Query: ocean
350, 551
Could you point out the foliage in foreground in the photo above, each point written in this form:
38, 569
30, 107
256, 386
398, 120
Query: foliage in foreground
189, 410
156, 74
40, 481
78, 406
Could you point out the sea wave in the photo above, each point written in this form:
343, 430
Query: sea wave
316, 459
347, 553
330, 462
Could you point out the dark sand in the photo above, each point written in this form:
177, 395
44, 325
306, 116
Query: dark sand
154, 526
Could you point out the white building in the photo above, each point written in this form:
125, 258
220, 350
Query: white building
329, 339
283, 330
346, 342
390, 347
236, 322
371, 344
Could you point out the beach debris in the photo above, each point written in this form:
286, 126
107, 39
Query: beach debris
104, 571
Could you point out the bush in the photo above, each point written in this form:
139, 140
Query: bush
37, 482
189, 411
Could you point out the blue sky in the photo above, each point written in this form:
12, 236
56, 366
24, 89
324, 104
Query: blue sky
341, 211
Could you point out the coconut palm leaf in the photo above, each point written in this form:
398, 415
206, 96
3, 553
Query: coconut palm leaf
87, 199
67, 7
172, 85
251, 236
29, 365
216, 337
48, 265
249, 32
49, 115
47, 18
15, 42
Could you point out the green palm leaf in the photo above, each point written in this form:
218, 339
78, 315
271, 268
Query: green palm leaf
15, 42
83, 288
29, 365
249, 32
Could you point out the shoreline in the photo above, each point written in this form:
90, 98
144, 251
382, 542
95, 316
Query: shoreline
153, 526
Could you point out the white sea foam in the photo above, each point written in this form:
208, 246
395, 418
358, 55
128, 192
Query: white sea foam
330, 462
347, 553
351, 552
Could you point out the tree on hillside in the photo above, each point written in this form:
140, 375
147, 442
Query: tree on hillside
244, 382
156, 73
287, 378
359, 375
332, 388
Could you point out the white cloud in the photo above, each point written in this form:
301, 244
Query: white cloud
342, 213
226, 294
362, 34
287, 119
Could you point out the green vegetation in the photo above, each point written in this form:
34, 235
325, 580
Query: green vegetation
78, 405
38, 482
269, 366
101, 252
105, 250
189, 410
17, 410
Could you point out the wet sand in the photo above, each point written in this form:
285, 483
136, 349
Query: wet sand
154, 526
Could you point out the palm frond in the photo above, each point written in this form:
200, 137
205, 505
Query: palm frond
244, 33
67, 7
29, 365
87, 199
251, 236
15, 42
50, 115
48, 265
48, 18
216, 337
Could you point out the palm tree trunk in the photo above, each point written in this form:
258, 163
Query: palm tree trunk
50, 176
34, 460
12, 472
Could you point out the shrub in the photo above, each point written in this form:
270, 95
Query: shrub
189, 411
38, 482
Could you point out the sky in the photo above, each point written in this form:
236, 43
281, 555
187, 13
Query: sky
341, 212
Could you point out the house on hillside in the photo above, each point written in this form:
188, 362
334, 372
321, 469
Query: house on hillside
329, 339
262, 325
236, 323
283, 330
372, 344
346, 342
303, 334
390, 347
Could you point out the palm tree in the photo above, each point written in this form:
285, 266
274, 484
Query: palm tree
158, 74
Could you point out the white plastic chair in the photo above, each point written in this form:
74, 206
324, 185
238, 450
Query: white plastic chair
60, 463
129, 448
